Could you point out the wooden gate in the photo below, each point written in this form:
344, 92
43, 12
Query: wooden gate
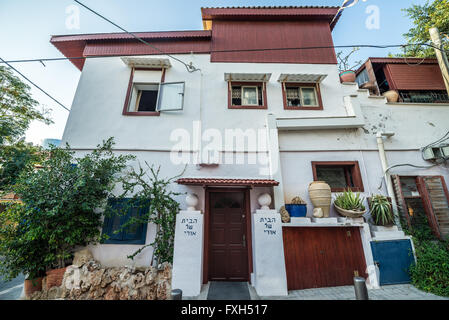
322, 257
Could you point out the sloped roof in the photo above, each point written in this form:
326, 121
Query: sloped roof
227, 182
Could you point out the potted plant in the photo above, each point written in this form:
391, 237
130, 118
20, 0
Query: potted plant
350, 204
347, 73
297, 207
380, 209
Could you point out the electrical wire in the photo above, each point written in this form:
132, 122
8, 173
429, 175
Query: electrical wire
34, 84
222, 51
189, 67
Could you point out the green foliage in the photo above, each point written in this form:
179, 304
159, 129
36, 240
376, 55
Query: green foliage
21, 250
431, 273
424, 17
380, 209
148, 190
17, 108
16, 158
349, 200
60, 206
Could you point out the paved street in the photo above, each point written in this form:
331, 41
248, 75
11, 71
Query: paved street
393, 292
11, 290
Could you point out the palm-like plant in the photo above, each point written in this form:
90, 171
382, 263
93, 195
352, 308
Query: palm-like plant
349, 200
381, 210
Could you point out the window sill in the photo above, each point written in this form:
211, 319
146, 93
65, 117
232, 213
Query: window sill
303, 108
142, 113
247, 107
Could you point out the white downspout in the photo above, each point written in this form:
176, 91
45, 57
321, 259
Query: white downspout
388, 183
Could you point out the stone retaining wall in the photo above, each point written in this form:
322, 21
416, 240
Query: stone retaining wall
91, 281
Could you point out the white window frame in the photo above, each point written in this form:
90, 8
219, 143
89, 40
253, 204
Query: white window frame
316, 97
257, 96
158, 102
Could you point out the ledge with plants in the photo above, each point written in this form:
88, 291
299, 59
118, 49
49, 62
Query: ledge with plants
350, 204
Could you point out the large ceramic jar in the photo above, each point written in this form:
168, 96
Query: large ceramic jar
391, 95
320, 194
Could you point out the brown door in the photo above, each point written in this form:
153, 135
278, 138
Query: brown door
322, 257
228, 254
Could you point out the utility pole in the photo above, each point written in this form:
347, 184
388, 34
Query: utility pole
441, 56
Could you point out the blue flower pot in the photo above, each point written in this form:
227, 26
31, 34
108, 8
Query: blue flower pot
296, 210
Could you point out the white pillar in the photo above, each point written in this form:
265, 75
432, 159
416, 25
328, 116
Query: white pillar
188, 253
270, 278
275, 161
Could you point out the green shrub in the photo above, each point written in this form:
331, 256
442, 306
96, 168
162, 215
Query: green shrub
59, 210
431, 273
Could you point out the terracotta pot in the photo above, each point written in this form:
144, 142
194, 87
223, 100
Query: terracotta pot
349, 213
54, 277
391, 95
320, 194
32, 286
347, 76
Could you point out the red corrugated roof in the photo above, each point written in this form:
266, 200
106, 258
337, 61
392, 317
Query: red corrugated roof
398, 61
227, 182
125, 36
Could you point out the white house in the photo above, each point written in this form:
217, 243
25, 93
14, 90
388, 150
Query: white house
250, 112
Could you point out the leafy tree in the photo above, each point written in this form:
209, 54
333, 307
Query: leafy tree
16, 158
59, 209
17, 108
424, 17
148, 190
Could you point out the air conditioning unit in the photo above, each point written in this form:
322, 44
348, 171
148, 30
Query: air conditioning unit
428, 154
435, 153
445, 151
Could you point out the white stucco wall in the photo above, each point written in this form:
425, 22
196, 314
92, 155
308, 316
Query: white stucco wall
97, 114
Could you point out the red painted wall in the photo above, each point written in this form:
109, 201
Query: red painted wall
235, 35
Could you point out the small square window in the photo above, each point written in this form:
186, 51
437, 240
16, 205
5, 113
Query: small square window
247, 95
301, 96
144, 98
339, 175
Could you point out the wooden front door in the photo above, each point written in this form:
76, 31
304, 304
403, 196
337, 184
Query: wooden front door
318, 257
228, 253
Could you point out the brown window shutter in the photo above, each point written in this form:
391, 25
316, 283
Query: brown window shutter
400, 201
436, 200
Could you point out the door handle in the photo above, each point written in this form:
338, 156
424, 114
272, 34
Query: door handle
244, 241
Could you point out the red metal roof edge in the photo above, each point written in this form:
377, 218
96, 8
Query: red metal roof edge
223, 181
398, 60
124, 36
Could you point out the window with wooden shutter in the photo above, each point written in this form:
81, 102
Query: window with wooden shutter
119, 212
423, 195
435, 194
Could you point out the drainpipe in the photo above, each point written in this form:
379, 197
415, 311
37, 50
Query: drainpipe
384, 163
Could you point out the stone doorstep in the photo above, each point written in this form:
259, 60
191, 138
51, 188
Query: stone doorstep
388, 235
375, 228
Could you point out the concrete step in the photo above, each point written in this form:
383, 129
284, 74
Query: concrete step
388, 235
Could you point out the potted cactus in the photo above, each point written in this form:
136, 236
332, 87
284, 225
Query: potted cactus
297, 207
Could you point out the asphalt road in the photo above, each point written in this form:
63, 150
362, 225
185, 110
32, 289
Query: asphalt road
11, 290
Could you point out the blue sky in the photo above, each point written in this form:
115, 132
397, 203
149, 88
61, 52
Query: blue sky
26, 27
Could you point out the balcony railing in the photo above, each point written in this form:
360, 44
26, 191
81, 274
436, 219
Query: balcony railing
424, 97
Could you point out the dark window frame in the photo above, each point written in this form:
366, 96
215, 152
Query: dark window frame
349, 166
129, 94
108, 226
303, 85
248, 84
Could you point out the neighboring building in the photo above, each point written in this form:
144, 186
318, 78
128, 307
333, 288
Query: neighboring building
50, 142
307, 126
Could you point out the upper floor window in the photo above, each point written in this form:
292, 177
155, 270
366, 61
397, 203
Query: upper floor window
247, 90
148, 94
301, 96
301, 91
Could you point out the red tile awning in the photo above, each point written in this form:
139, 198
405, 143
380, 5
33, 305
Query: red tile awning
227, 182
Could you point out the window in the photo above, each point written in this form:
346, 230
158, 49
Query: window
299, 96
339, 175
247, 95
119, 212
148, 94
